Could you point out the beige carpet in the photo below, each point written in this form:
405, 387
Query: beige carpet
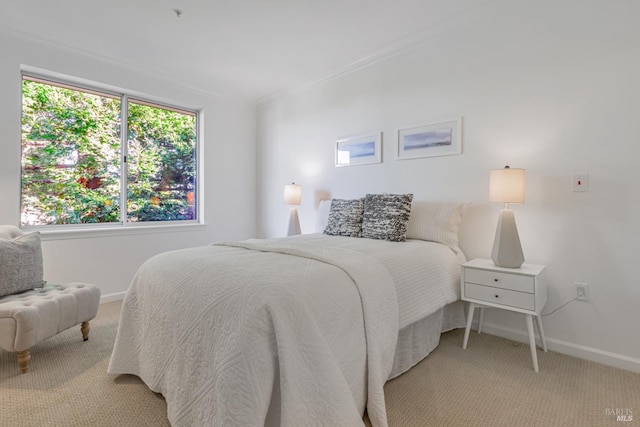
489, 384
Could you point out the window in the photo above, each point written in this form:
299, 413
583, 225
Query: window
91, 156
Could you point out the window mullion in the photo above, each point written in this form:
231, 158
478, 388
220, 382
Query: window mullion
124, 151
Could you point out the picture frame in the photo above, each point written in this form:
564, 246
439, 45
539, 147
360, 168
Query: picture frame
361, 149
436, 139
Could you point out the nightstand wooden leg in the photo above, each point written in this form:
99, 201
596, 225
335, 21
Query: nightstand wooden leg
543, 340
480, 320
472, 307
532, 342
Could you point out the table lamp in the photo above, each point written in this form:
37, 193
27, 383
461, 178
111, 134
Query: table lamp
292, 196
507, 186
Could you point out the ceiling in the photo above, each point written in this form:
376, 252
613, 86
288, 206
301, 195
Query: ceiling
246, 49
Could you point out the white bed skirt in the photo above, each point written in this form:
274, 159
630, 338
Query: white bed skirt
417, 340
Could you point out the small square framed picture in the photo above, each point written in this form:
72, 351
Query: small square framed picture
435, 139
362, 149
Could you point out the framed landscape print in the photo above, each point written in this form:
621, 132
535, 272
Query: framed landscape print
361, 149
436, 139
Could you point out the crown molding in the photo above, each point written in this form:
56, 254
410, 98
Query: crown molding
174, 80
380, 55
446, 27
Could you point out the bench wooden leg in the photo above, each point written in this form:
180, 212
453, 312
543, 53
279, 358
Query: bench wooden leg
84, 328
23, 360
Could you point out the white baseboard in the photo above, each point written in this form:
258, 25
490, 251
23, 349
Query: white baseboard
116, 296
575, 350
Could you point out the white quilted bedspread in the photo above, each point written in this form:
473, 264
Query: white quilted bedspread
290, 332
426, 274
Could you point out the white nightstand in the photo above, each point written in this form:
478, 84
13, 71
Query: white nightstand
516, 289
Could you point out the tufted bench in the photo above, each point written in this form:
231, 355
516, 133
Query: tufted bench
33, 316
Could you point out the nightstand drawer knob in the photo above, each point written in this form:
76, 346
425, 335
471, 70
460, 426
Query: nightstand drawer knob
495, 280
497, 296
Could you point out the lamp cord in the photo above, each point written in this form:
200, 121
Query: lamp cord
563, 305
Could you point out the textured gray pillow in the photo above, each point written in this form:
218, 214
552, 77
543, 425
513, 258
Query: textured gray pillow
386, 216
20, 264
345, 218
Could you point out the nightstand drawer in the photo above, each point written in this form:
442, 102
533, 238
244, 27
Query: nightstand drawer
495, 279
500, 296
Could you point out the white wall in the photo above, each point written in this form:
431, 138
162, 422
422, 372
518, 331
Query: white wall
228, 158
552, 88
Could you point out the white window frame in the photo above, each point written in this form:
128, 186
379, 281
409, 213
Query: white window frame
123, 227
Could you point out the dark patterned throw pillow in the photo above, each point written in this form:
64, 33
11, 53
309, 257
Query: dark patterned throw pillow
386, 216
345, 218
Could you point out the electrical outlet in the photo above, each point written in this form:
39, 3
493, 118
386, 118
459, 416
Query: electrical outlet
582, 291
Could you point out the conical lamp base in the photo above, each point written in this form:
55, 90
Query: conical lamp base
507, 250
294, 222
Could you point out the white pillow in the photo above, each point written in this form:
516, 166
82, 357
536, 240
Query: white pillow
323, 215
435, 221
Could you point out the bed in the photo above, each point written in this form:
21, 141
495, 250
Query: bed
295, 331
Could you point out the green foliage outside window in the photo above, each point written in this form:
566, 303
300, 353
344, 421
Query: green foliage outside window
161, 164
71, 159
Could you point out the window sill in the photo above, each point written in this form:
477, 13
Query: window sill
111, 231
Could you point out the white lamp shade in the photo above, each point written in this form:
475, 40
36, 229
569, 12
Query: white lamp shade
292, 194
506, 185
